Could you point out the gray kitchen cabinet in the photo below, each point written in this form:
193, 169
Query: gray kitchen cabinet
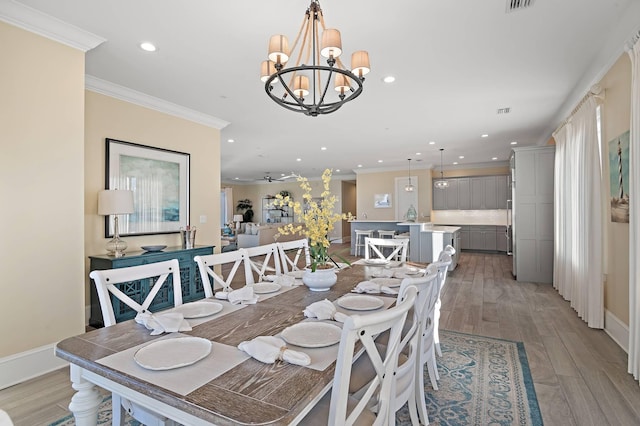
451, 194
502, 189
482, 238
484, 193
501, 238
464, 193
439, 199
465, 242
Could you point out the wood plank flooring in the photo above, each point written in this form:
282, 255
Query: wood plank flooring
579, 373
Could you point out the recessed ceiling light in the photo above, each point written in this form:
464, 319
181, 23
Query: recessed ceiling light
324, 148
484, 136
298, 159
380, 161
418, 153
236, 178
231, 140
389, 79
455, 162
494, 158
432, 143
359, 165
514, 143
461, 157
337, 170
147, 47
282, 174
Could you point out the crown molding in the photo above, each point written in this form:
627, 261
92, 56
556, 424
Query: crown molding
33, 20
113, 90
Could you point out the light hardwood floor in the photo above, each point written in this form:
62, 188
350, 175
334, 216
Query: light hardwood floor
579, 373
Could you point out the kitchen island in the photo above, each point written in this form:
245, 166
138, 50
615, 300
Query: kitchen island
426, 240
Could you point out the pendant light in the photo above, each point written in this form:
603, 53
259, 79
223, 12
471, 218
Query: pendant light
409, 186
441, 183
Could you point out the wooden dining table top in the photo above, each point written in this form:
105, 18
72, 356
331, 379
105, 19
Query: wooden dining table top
249, 393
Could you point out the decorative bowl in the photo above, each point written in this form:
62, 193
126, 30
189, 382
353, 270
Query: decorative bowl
153, 248
320, 280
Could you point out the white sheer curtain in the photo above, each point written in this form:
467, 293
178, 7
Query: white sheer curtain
634, 214
577, 271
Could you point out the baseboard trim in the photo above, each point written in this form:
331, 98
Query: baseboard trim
617, 330
21, 367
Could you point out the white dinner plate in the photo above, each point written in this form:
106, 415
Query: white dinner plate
173, 353
378, 262
262, 288
295, 274
312, 334
198, 309
360, 303
389, 282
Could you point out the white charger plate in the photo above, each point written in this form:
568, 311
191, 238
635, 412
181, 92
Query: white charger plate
378, 262
262, 288
312, 334
173, 353
360, 303
389, 282
295, 274
198, 309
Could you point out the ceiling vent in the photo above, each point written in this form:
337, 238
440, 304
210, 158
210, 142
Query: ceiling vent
514, 5
506, 110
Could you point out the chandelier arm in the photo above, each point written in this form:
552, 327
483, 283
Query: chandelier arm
299, 102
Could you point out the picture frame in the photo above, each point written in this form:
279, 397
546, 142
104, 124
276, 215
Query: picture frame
159, 179
382, 201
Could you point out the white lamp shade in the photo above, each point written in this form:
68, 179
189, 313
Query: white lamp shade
115, 201
360, 63
331, 43
279, 49
238, 218
267, 69
301, 86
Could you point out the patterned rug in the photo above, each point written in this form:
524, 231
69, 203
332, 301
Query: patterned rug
483, 381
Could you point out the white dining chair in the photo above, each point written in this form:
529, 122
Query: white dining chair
448, 250
375, 247
297, 248
410, 372
337, 407
5, 420
263, 260
443, 267
161, 274
217, 271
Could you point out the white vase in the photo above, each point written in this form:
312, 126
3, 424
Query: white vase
320, 280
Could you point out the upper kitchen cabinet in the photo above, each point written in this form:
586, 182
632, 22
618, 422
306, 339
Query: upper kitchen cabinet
473, 193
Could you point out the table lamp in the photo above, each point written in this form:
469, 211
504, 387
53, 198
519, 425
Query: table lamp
237, 218
115, 202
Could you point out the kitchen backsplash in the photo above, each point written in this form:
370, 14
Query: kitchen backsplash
469, 217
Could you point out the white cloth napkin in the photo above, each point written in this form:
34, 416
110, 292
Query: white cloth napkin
269, 349
242, 296
373, 288
286, 280
324, 310
169, 322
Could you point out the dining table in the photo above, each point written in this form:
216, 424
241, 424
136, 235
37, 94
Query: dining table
227, 387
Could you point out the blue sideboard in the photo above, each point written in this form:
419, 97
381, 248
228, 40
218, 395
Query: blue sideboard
189, 277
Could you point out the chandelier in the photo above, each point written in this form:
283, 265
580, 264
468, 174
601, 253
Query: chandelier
409, 186
305, 84
441, 183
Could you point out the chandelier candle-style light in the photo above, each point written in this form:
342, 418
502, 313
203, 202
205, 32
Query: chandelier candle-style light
305, 84
409, 186
441, 183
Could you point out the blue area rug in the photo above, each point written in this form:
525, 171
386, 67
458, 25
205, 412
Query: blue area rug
483, 381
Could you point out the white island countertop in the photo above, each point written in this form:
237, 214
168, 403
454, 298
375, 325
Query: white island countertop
441, 229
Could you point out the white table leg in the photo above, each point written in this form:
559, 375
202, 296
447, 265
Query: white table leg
84, 404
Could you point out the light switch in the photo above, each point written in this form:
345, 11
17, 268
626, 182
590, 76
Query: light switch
203, 218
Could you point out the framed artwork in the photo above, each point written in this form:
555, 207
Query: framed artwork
619, 178
159, 179
382, 201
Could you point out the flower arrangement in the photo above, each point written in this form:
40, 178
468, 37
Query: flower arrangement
318, 218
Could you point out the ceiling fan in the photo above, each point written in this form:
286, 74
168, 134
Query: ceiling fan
270, 179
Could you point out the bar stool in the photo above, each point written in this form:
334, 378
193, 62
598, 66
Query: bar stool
360, 241
404, 235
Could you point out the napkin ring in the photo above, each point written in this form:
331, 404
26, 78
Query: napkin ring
281, 354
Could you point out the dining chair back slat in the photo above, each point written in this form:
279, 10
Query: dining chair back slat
301, 247
212, 278
376, 246
262, 260
107, 281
